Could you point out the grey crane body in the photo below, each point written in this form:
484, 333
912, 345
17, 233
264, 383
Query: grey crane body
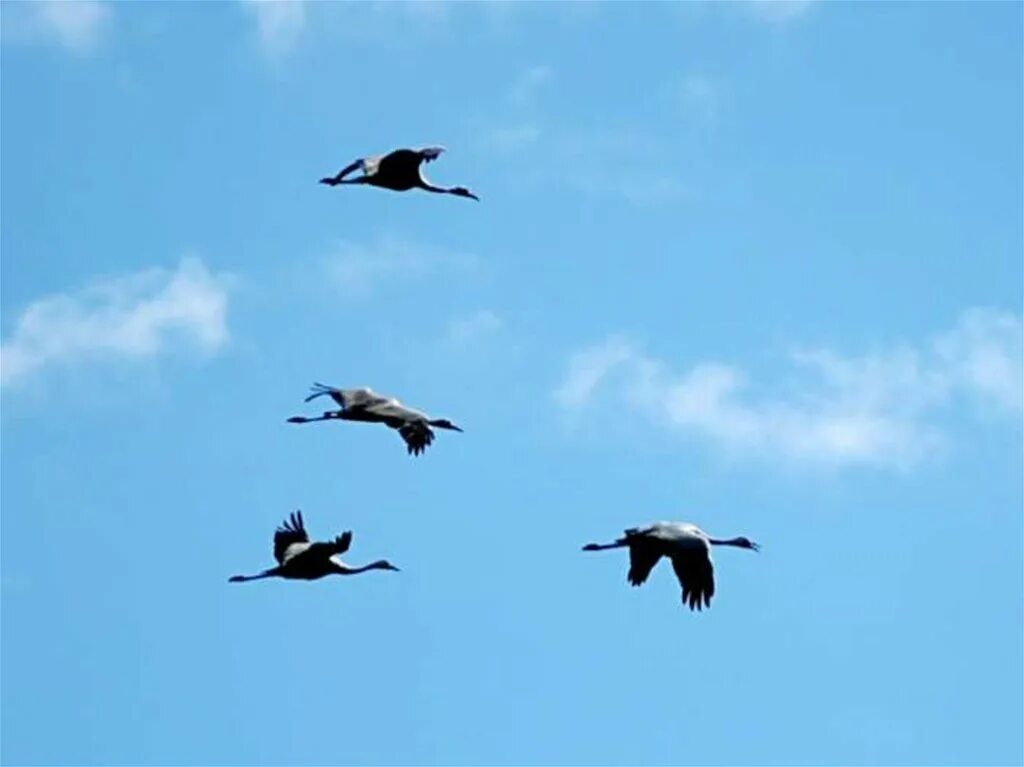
398, 171
414, 426
686, 545
298, 558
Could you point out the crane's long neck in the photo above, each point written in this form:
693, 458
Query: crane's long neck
424, 184
346, 570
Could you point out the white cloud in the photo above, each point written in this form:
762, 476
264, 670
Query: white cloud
358, 269
779, 11
466, 330
279, 23
983, 355
76, 26
876, 409
135, 316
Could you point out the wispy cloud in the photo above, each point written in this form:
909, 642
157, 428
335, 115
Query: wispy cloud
520, 124
620, 163
779, 11
876, 409
512, 137
75, 25
357, 269
282, 24
474, 327
523, 92
624, 161
136, 316
279, 23
590, 367
699, 95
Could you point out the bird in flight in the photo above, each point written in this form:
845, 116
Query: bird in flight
368, 406
300, 559
687, 546
399, 171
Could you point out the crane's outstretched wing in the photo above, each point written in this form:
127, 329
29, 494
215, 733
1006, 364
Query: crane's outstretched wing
340, 544
643, 556
696, 575
291, 532
417, 436
431, 153
392, 412
321, 550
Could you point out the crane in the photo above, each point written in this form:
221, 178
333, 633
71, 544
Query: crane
299, 559
366, 405
399, 171
686, 545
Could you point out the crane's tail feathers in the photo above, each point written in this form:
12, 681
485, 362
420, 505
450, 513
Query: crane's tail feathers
319, 390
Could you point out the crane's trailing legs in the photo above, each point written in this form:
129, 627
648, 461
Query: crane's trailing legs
265, 574
602, 546
339, 178
330, 415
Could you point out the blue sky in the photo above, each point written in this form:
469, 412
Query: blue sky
753, 266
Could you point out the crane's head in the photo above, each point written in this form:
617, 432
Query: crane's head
461, 191
746, 543
444, 423
383, 564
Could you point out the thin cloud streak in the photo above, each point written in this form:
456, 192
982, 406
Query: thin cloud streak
134, 317
877, 409
522, 94
357, 269
279, 23
463, 331
779, 12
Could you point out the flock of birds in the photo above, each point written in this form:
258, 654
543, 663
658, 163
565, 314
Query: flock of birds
685, 545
